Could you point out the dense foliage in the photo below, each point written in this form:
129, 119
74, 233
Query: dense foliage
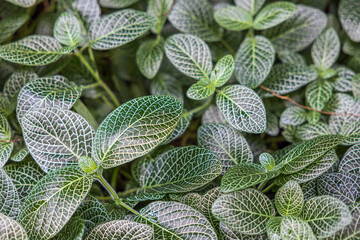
180, 119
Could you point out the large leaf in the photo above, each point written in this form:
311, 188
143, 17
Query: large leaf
242, 108
233, 18
149, 56
179, 170
350, 18
159, 9
293, 115
274, 14
254, 60
53, 201
134, 129
196, 18
246, 211
289, 199
351, 161
12, 19
74, 229
253, 6
56, 137
318, 93
10, 229
67, 29
34, 50
121, 229
166, 84
226, 142
54, 91
245, 175
9, 197
326, 215
116, 29
326, 49
189, 54
299, 31
296, 229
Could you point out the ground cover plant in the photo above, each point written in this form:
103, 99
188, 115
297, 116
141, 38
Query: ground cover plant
180, 119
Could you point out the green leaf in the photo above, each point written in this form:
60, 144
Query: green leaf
274, 14
226, 142
299, 31
326, 49
181, 169
253, 61
56, 137
326, 215
350, 18
228, 234
74, 230
291, 57
34, 50
285, 78
23, 3
246, 211
307, 152
189, 54
318, 93
89, 11
289, 199
253, 6
54, 91
5, 130
159, 9
355, 84
351, 231
222, 71
134, 129
12, 19
116, 3
233, 18
67, 29
24, 176
273, 228
245, 175
180, 128
149, 57
116, 29
195, 18
342, 82
53, 201
166, 84
309, 131
200, 90
121, 229
293, 115
267, 161
19, 155
9, 197
242, 108
294, 229
10, 229
5, 151
350, 163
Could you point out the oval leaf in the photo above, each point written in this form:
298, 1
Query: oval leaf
149, 56
9, 197
289, 199
233, 18
350, 19
67, 29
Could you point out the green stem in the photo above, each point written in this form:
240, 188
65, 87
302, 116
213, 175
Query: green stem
114, 177
228, 47
93, 85
204, 106
261, 185
268, 188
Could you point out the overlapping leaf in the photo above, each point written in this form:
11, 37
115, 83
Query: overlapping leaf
289, 199
318, 93
222, 70
12, 19
180, 128
291, 57
351, 161
343, 79
229, 234
293, 229
149, 56
253, 6
273, 228
9, 197
350, 18
67, 29
233, 18
88, 10
309, 131
74, 229
10, 229
116, 4
165, 84
293, 116
159, 9
212, 115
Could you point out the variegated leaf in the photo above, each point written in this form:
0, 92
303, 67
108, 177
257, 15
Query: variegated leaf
253, 6
149, 57
10, 229
9, 197
233, 18
23, 3
159, 9
309, 131
16, 81
293, 116
212, 115
318, 93
229, 234
342, 81
350, 163
290, 57
181, 127
289, 199
273, 228
166, 84
294, 229
350, 18
116, 3
67, 29
74, 229
222, 71
200, 90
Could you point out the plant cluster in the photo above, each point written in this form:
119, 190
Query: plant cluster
180, 119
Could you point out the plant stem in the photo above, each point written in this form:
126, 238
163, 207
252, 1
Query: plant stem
261, 185
93, 85
268, 188
114, 177
204, 106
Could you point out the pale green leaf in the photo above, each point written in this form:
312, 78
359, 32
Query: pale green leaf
228, 234
342, 81
149, 57
253, 61
233, 18
134, 129
291, 57
10, 229
295, 229
222, 71
52, 202
9, 197
226, 142
267, 161
116, 29
5, 130
159, 9
289, 199
309, 131
350, 18
355, 84
273, 228
253, 6
274, 14
242, 108
180, 128
5, 151
350, 163
116, 3
200, 90
67, 29
293, 115
88, 10
189, 54
73, 230
19, 155
22, 3
56, 137
246, 211
318, 93
166, 84
272, 127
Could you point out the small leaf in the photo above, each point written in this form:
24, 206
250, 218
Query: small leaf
246, 211
291, 57
293, 229
289, 199
67, 29
5, 151
189, 54
273, 228
19, 155
326, 215
309, 131
274, 14
350, 19
87, 165
253, 61
342, 82
74, 229
23, 3
10, 229
9, 197
200, 90
134, 129
149, 57
233, 18
242, 108
293, 115
159, 9
222, 71
267, 161
116, 29
326, 49
226, 142
166, 84
351, 161
318, 93
53, 201
253, 6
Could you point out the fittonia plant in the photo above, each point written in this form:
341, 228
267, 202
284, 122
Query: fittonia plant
180, 119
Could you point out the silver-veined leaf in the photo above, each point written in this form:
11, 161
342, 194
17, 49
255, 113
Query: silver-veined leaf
189, 54
253, 61
350, 18
299, 31
23, 3
350, 163
229, 234
200, 90
149, 57
166, 84
289, 199
222, 70
19, 155
181, 169
242, 108
318, 93
226, 142
118, 28
196, 18
309, 189
295, 229
74, 230
233, 18
9, 197
88, 10
181, 127
293, 115
67, 29
5, 151
273, 228
309, 131
253, 6
159, 9
134, 129
116, 3
274, 14
246, 211
343, 79
326, 215
56, 137
244, 175
5, 130
52, 202
212, 115
291, 57
326, 49
10, 229
267, 161
16, 81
